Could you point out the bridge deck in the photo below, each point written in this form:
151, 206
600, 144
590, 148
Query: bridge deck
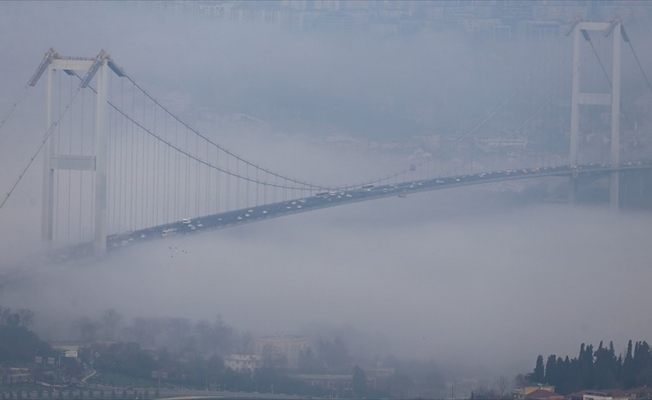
338, 197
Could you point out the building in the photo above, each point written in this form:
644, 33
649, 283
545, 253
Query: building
603, 394
541, 394
523, 393
642, 392
243, 362
607, 394
288, 347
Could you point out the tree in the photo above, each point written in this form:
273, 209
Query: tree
334, 355
643, 363
111, 320
538, 374
551, 370
501, 386
26, 318
86, 329
629, 371
401, 384
17, 343
605, 368
359, 382
307, 362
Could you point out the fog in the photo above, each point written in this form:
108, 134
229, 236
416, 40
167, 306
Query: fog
495, 286
467, 277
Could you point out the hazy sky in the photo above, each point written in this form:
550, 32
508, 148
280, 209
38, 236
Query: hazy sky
462, 277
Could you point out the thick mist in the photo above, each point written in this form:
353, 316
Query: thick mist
434, 280
471, 276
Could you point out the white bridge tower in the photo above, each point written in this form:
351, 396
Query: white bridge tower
89, 68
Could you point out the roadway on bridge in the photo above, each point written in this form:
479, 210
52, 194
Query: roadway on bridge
337, 197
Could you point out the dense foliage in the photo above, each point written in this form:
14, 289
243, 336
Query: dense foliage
17, 342
596, 369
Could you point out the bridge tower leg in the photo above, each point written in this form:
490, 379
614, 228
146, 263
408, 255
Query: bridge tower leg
580, 29
101, 182
575, 112
614, 185
47, 204
97, 162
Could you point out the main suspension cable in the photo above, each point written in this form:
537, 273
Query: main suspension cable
604, 71
48, 133
216, 144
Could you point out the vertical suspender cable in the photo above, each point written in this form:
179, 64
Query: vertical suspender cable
218, 193
177, 187
132, 181
57, 178
187, 213
208, 180
197, 178
70, 113
145, 181
81, 175
166, 185
228, 185
155, 171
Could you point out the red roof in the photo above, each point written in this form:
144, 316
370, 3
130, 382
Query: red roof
640, 390
577, 395
542, 394
616, 393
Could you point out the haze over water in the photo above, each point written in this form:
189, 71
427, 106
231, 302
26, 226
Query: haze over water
465, 277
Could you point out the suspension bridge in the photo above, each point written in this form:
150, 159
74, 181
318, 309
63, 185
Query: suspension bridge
120, 167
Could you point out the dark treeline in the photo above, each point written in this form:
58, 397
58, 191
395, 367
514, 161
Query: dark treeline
175, 351
596, 369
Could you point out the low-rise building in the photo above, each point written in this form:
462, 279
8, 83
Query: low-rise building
642, 392
602, 394
541, 394
522, 393
243, 362
287, 346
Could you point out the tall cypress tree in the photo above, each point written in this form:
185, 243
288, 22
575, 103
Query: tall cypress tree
586, 366
642, 364
562, 375
629, 374
551, 370
604, 373
538, 374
